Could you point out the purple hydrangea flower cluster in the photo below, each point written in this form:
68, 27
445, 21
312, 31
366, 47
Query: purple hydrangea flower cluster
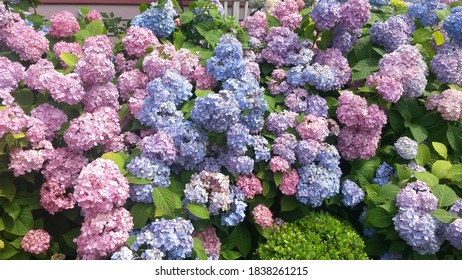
172, 237
453, 25
363, 126
210, 241
454, 230
281, 44
350, 14
402, 72
157, 19
394, 32
383, 174
141, 193
414, 221
406, 147
448, 104
447, 63
425, 11
352, 193
344, 39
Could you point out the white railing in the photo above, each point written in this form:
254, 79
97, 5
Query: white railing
237, 11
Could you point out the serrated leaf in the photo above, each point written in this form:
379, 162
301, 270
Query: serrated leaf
389, 191
21, 225
137, 181
454, 136
141, 213
423, 155
242, 239
202, 93
288, 203
277, 176
8, 251
446, 196
117, 159
439, 38
441, 149
440, 168
199, 249
422, 35
368, 65
372, 192
95, 28
231, 255
419, 132
378, 217
266, 188
187, 17
444, 216
430, 179
178, 39
7, 189
166, 200
455, 173
198, 210
12, 209
69, 58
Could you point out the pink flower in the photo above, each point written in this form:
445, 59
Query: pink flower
289, 182
138, 39
36, 241
277, 163
249, 185
63, 24
262, 216
53, 197
210, 241
70, 47
101, 95
94, 15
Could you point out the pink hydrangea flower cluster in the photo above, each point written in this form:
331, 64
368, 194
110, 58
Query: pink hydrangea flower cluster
100, 187
63, 88
94, 15
101, 95
135, 103
21, 38
23, 161
256, 25
159, 146
354, 14
278, 83
103, 233
203, 79
63, 24
287, 13
131, 81
52, 118
33, 73
314, 128
363, 126
64, 166
262, 216
210, 241
402, 72
12, 119
36, 241
53, 197
289, 182
448, 104
250, 185
123, 64
11, 74
96, 65
138, 39
339, 65
277, 163
70, 47
91, 129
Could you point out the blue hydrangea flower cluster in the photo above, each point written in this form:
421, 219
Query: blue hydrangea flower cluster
320, 76
153, 169
236, 212
383, 174
141, 193
228, 61
425, 11
453, 25
326, 14
159, 115
260, 147
284, 146
216, 112
447, 63
394, 32
344, 39
172, 237
406, 147
153, 254
171, 87
238, 138
414, 222
352, 193
124, 254
157, 19
454, 230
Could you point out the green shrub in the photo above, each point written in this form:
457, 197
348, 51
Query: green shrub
318, 236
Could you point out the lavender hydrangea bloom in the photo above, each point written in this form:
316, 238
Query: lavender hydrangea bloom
344, 39
216, 112
383, 174
453, 25
316, 105
282, 46
260, 146
159, 115
307, 150
153, 254
237, 164
454, 230
326, 14
278, 123
141, 193
123, 254
406, 147
394, 32
158, 20
171, 237
447, 64
236, 214
425, 11
238, 138
417, 196
228, 61
156, 170
352, 193
171, 87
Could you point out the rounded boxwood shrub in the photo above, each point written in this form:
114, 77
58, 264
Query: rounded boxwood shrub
316, 236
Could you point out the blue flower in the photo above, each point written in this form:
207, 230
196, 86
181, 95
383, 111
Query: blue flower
352, 193
236, 214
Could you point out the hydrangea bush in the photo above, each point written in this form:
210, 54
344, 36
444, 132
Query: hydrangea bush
188, 135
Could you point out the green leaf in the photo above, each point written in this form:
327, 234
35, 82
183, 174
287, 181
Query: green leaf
367, 65
431, 180
199, 249
372, 191
22, 225
141, 213
440, 168
326, 39
143, 7
198, 210
266, 188
84, 11
7, 189
166, 200
446, 196
178, 39
439, 38
202, 93
272, 21
82, 34
423, 155
454, 136
419, 132
442, 14
422, 35
389, 191
441, 149
117, 159
8, 251
12, 209
362, 48
137, 181
187, 17
288, 203
455, 173
95, 28
231, 255
242, 239
35, 18
2, 225
378, 217
444, 216
277, 178
69, 237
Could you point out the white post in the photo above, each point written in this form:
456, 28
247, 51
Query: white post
236, 10
225, 7
246, 9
